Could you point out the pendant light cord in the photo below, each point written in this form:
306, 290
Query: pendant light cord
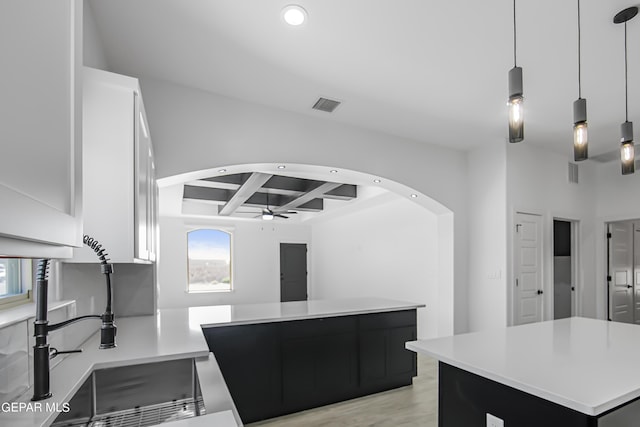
514, 33
579, 57
626, 91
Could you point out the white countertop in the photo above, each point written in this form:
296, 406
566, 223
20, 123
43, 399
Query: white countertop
177, 334
22, 312
165, 336
584, 364
242, 314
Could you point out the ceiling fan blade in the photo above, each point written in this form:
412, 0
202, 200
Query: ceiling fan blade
280, 216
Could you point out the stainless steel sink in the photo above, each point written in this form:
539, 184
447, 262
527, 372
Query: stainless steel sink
137, 395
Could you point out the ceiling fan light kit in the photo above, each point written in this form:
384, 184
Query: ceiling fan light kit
269, 215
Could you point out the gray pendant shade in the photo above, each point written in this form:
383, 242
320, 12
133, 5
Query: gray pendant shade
580, 128
516, 112
580, 131
627, 149
516, 117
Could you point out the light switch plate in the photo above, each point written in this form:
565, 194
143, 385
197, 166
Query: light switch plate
493, 421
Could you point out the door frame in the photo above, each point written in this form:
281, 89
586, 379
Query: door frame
576, 306
606, 247
309, 265
511, 288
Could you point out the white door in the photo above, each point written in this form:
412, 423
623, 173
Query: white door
528, 269
636, 270
621, 271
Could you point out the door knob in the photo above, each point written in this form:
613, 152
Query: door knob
629, 286
540, 291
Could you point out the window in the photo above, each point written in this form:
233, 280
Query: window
209, 260
15, 281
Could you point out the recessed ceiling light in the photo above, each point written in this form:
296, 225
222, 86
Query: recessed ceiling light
333, 171
222, 171
281, 166
377, 181
413, 196
294, 15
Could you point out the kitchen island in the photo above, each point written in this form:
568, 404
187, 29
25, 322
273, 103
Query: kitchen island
279, 358
571, 372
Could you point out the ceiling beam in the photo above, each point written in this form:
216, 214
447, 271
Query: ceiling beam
259, 200
313, 194
250, 186
208, 194
343, 192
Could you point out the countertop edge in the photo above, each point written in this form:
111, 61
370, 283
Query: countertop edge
311, 316
591, 410
26, 311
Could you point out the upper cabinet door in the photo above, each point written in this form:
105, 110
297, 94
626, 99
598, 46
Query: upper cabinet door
119, 191
40, 126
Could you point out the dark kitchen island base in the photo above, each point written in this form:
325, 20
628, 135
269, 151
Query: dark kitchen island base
465, 399
277, 368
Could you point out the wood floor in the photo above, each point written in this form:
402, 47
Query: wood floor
415, 405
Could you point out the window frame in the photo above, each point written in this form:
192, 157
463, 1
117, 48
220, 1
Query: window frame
230, 232
24, 280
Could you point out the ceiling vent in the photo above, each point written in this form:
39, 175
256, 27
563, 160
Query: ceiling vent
573, 173
325, 104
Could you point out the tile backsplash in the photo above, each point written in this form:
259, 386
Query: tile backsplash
14, 361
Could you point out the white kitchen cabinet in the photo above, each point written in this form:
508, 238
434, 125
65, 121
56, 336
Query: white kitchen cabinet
119, 180
40, 127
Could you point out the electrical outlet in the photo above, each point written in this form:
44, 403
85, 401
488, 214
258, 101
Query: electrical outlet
493, 421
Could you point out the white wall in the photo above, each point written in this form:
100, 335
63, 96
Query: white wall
255, 259
387, 251
487, 236
193, 130
92, 49
537, 182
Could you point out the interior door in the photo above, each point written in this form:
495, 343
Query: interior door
563, 282
636, 271
528, 269
293, 272
620, 275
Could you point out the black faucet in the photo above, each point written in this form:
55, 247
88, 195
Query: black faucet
41, 351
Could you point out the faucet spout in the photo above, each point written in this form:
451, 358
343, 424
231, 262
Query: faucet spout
41, 351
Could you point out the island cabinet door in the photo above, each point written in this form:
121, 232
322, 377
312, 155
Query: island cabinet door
319, 362
248, 356
465, 399
384, 361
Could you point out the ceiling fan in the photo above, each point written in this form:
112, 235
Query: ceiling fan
269, 215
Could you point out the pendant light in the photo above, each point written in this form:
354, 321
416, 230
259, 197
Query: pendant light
580, 139
627, 152
516, 117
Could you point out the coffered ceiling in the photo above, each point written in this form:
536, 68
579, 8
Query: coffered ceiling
252, 194
433, 71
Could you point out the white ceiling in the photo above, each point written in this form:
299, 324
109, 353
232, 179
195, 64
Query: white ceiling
434, 71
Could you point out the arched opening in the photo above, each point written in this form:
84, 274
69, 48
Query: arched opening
391, 241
